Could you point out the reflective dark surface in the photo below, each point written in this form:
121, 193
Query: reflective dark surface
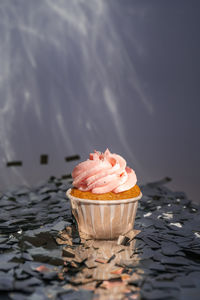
43, 256
82, 75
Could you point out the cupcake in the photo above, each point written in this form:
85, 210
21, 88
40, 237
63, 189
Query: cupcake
104, 196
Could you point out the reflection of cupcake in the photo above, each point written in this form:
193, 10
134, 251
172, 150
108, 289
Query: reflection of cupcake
105, 196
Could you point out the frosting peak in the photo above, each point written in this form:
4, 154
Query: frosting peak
103, 173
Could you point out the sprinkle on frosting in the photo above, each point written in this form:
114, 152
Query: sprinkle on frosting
103, 173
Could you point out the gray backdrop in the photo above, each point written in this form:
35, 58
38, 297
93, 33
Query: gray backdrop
79, 75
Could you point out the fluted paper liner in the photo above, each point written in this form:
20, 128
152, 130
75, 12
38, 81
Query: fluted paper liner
104, 219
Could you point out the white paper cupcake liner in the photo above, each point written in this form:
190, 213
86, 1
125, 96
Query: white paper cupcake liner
104, 219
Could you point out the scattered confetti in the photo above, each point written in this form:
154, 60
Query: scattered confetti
43, 255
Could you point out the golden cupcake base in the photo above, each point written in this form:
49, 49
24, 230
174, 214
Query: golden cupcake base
131, 193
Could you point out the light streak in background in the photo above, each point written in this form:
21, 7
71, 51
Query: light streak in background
79, 20
67, 71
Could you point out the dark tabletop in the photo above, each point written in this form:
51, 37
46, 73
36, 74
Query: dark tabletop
43, 256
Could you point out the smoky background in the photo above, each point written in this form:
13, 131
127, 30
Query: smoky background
80, 75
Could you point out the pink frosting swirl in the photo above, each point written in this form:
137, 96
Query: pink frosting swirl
103, 173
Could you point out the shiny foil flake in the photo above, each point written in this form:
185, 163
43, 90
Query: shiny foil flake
43, 256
